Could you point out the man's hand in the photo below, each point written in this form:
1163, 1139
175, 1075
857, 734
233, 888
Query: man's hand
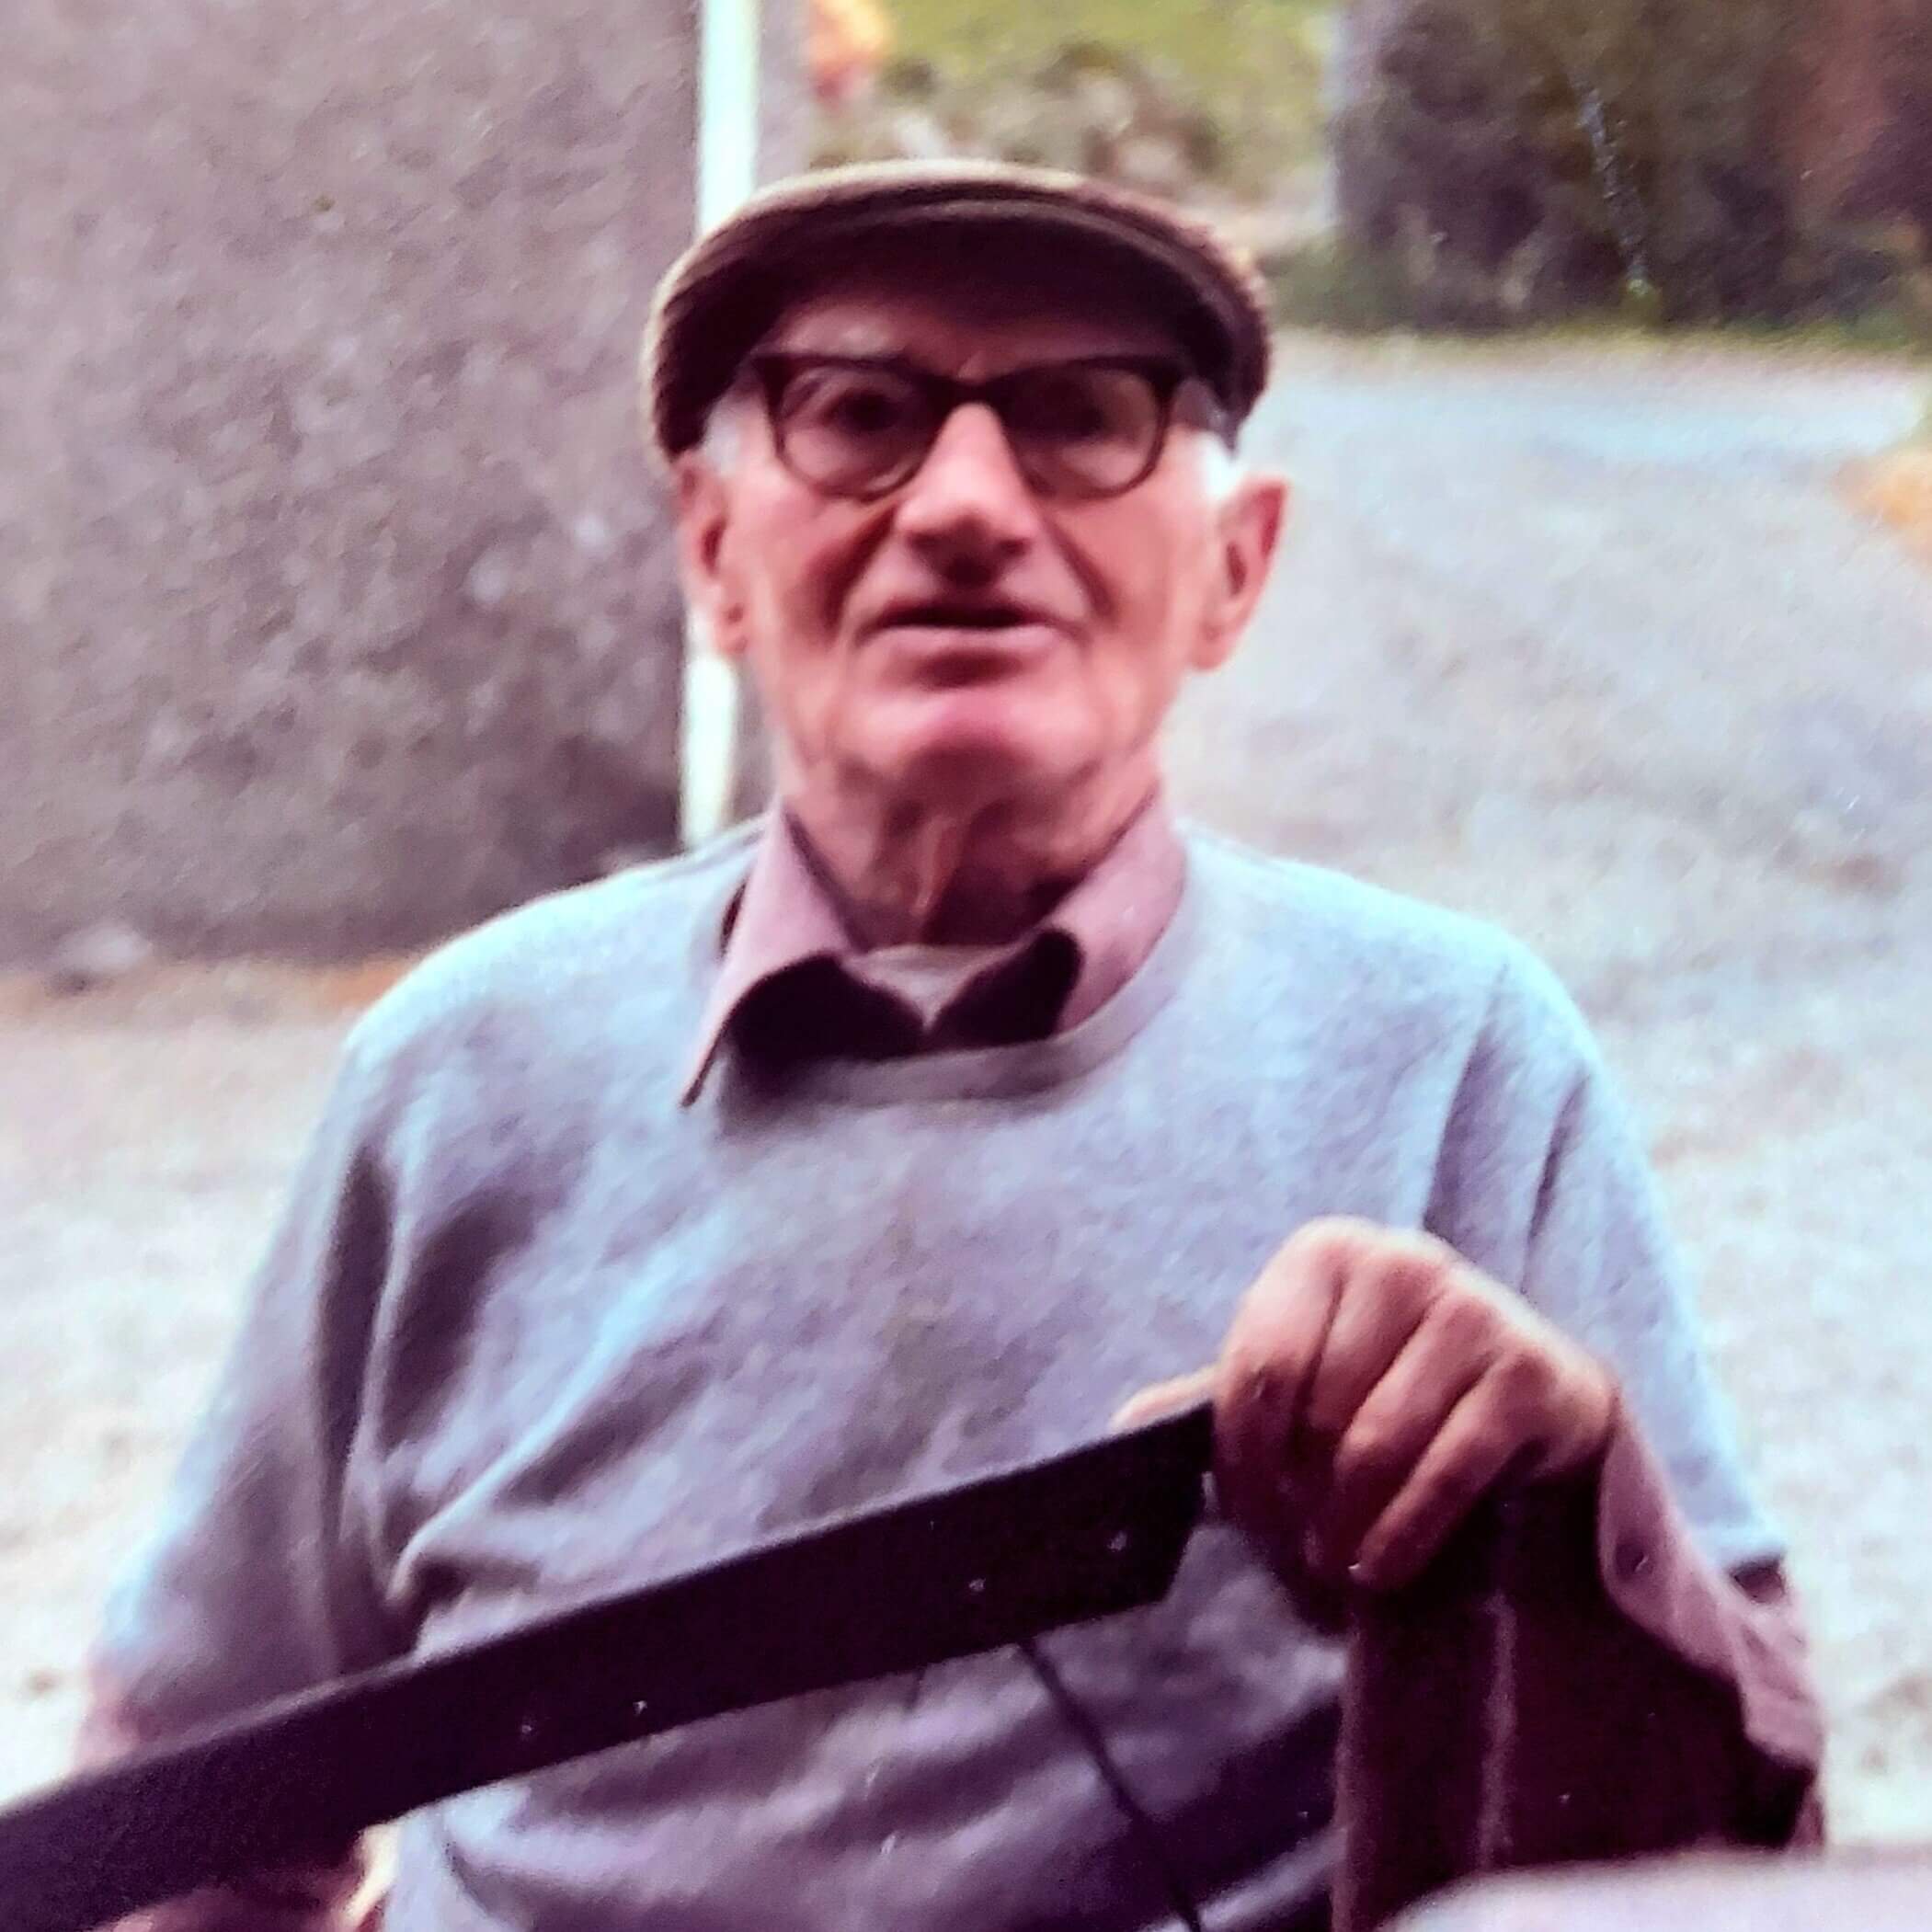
1373, 1388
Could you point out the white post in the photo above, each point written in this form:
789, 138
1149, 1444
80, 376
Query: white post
727, 172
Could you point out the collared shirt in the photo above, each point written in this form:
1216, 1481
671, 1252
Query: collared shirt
796, 983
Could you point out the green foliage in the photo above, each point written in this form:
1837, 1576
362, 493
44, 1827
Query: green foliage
1179, 96
1497, 161
1229, 49
1522, 159
1328, 284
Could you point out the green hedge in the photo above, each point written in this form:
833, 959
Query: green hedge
1183, 96
1520, 158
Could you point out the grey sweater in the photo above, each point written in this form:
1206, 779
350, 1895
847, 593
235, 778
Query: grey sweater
529, 1331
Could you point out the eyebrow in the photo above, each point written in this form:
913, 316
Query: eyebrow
868, 340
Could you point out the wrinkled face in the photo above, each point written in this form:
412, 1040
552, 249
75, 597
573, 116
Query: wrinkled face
967, 638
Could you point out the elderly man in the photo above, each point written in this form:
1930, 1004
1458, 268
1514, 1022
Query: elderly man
913, 1130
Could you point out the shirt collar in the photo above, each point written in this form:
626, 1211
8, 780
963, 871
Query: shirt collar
787, 913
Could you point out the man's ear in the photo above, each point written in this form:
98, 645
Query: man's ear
1248, 527
703, 552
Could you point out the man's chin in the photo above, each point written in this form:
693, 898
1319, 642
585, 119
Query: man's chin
968, 751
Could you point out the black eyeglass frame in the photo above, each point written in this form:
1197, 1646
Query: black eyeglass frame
1179, 395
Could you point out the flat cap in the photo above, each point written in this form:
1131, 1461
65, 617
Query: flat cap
721, 297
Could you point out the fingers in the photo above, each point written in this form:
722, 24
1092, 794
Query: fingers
1373, 1386
1463, 1461
1387, 1301
1388, 1297
1270, 1358
1167, 1397
1395, 1422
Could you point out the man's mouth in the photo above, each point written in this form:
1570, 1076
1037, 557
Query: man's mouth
959, 614
952, 642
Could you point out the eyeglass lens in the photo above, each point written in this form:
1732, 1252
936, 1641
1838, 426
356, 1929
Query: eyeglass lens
1075, 429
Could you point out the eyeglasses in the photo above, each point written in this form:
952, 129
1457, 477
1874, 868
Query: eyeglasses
861, 426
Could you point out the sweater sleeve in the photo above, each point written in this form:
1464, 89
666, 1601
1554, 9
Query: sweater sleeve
258, 1581
1544, 1183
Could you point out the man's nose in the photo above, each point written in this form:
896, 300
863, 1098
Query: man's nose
968, 509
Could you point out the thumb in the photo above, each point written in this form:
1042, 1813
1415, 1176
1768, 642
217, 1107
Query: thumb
1164, 1399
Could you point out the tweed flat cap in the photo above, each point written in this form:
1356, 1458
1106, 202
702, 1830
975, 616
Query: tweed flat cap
723, 294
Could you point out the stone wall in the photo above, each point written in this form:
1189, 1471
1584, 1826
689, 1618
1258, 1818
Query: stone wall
337, 602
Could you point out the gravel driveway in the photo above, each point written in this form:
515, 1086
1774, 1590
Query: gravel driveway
1583, 640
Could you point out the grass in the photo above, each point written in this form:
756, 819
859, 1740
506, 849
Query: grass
1327, 286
